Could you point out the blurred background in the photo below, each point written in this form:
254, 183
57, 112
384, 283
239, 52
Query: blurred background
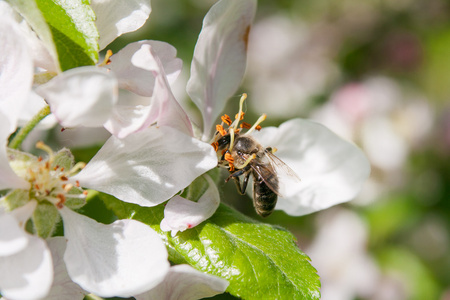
376, 73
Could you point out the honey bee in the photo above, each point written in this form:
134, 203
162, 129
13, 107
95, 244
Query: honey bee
244, 156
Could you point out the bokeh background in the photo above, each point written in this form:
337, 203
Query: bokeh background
377, 73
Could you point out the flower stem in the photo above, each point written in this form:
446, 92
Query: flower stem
25, 130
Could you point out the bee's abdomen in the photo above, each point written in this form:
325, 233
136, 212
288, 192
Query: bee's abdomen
264, 199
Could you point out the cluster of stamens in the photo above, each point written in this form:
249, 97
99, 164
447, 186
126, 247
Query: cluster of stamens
52, 183
234, 128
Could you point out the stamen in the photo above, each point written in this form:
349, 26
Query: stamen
107, 60
220, 129
226, 119
245, 125
78, 166
231, 139
262, 118
44, 147
240, 114
229, 158
215, 146
253, 156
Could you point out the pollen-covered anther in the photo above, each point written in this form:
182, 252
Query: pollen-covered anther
62, 200
215, 145
77, 183
241, 116
226, 119
245, 125
221, 130
258, 127
229, 158
63, 178
85, 193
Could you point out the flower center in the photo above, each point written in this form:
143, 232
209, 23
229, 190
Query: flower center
49, 181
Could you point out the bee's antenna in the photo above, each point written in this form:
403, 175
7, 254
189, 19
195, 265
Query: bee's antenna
260, 120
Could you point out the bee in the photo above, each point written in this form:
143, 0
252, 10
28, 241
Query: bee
244, 156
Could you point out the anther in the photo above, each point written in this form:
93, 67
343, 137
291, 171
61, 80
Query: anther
226, 119
245, 125
215, 146
220, 129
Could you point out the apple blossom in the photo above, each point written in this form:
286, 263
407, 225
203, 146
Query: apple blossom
109, 260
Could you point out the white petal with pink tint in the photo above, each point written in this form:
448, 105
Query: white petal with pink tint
166, 109
331, 169
186, 283
121, 259
181, 214
139, 79
116, 17
82, 96
220, 57
147, 167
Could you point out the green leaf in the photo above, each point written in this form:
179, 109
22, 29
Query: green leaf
70, 25
260, 261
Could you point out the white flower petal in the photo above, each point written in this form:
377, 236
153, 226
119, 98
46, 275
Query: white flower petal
220, 57
162, 108
63, 288
185, 283
141, 80
27, 274
166, 109
82, 96
332, 170
34, 104
12, 240
147, 167
16, 68
116, 17
121, 259
8, 178
181, 214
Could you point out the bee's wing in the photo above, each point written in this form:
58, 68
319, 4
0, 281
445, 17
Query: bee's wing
287, 178
268, 175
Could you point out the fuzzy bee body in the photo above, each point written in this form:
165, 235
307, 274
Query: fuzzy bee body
243, 156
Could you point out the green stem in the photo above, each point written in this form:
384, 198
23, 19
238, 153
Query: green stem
25, 130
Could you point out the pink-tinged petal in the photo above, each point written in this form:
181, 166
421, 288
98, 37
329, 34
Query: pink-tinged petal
8, 178
186, 283
121, 259
82, 96
141, 80
116, 17
27, 274
166, 111
331, 169
147, 167
220, 57
16, 68
63, 288
181, 214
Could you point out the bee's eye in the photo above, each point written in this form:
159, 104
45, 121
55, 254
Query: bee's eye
223, 141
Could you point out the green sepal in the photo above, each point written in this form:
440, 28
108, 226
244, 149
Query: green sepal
63, 159
15, 199
260, 261
45, 218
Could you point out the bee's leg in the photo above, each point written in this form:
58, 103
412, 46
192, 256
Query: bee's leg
241, 189
246, 172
